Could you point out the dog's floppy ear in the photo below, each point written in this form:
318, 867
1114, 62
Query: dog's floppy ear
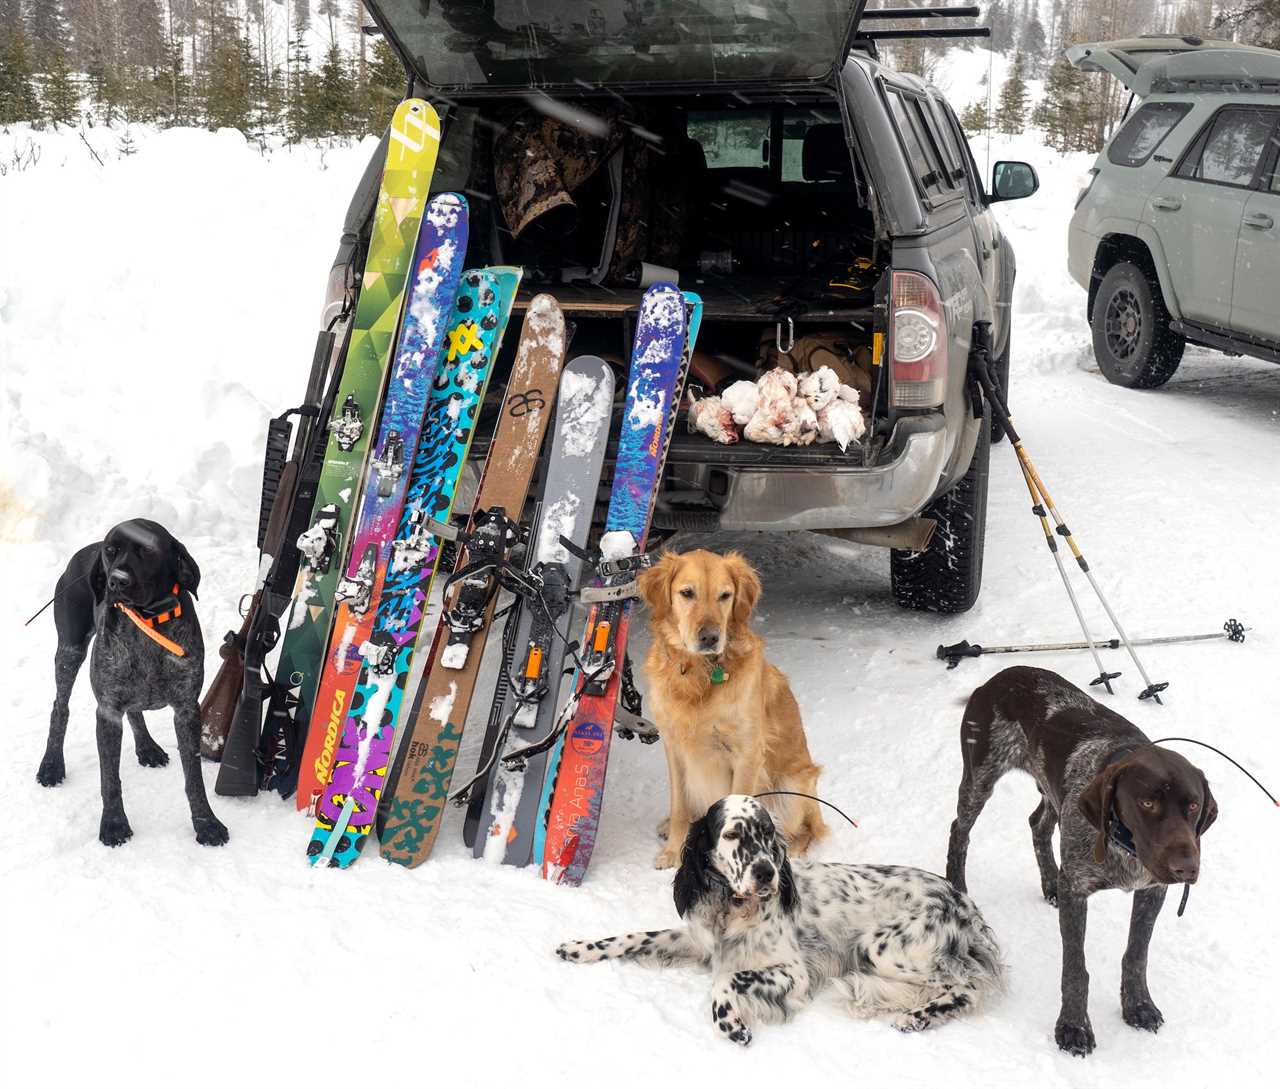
654, 585
188, 569
1208, 809
1096, 803
746, 586
692, 883
787, 894
98, 576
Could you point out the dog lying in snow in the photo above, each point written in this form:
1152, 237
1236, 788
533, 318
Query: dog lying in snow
728, 718
894, 940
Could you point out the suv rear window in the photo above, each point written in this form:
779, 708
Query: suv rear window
1229, 149
1145, 131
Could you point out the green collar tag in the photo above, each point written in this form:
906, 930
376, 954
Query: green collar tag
718, 675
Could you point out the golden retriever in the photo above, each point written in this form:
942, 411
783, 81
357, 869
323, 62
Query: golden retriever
728, 720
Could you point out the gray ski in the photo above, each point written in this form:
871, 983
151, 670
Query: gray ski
585, 408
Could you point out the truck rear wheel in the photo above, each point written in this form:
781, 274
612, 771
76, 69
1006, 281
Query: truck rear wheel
947, 576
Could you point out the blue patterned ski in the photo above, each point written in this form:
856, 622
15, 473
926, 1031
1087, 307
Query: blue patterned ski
347, 811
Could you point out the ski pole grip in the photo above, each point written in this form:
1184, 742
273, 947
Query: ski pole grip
963, 649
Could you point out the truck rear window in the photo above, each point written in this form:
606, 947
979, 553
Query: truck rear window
1145, 131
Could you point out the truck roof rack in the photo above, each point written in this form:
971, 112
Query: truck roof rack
966, 12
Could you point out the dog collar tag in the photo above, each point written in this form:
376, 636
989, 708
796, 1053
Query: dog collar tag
718, 675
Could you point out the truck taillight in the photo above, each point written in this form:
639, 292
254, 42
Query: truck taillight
917, 343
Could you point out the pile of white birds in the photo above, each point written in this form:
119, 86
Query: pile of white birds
779, 409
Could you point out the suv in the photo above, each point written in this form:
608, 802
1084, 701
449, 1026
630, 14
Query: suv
765, 156
1177, 235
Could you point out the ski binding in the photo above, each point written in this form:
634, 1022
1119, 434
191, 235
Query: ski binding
319, 543
349, 426
357, 590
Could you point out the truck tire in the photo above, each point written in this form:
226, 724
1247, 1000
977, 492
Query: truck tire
947, 576
1132, 341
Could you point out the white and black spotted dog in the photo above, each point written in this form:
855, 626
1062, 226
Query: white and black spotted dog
894, 940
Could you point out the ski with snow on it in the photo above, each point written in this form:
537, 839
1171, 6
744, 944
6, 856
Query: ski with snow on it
348, 804
402, 196
503, 803
573, 791
422, 347
413, 805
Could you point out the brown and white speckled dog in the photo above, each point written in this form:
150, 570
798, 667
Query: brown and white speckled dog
892, 939
1131, 815
728, 719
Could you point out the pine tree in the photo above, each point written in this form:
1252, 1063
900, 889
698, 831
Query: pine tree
301, 16
18, 101
1032, 45
59, 95
1254, 21
1063, 113
1011, 114
1000, 19
229, 102
384, 88
335, 96
974, 119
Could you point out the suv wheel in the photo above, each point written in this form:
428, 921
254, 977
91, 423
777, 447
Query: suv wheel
946, 577
1132, 340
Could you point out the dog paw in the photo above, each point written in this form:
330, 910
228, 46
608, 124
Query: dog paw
114, 830
731, 1026
1075, 1039
152, 756
912, 1021
1143, 1015
667, 859
583, 952
52, 771
211, 832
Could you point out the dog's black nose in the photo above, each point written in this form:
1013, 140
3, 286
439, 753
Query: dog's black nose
708, 638
119, 579
1186, 868
763, 872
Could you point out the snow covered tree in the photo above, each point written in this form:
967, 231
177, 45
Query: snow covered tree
229, 102
301, 16
1011, 114
1000, 19
59, 94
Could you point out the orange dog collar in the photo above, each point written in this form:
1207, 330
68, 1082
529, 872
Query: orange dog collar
148, 626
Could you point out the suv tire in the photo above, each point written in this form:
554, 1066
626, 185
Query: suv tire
947, 576
1132, 341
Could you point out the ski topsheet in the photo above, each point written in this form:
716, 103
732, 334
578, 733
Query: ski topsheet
506, 809
402, 197
574, 790
346, 810
414, 804
437, 273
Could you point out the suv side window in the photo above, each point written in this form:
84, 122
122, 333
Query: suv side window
951, 144
1230, 148
925, 158
1145, 131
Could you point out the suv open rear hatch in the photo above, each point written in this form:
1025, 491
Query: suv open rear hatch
461, 46
1158, 63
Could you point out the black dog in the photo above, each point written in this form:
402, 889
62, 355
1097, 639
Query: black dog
133, 591
1131, 815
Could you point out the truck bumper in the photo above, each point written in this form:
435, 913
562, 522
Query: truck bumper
782, 497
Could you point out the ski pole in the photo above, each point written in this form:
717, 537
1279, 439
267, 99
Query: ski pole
1040, 494
1233, 631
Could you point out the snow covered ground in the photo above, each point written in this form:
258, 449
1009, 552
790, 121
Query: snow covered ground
154, 311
